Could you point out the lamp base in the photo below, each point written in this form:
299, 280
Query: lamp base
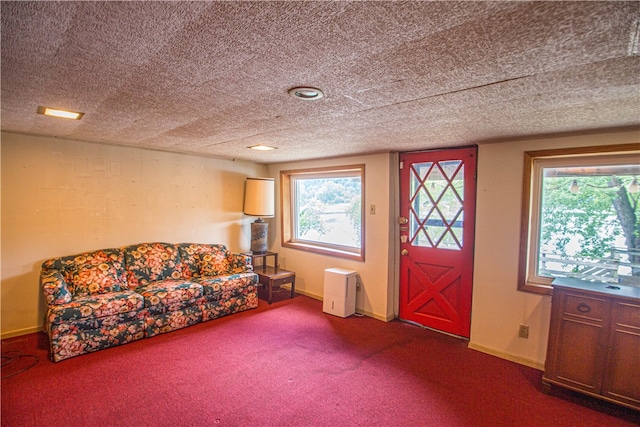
259, 233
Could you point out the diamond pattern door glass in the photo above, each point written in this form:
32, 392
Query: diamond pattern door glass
436, 204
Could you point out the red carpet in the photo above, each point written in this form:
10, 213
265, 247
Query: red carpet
289, 364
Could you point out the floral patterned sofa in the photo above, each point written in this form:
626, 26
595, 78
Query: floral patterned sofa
109, 297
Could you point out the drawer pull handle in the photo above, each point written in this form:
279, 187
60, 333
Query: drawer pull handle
583, 308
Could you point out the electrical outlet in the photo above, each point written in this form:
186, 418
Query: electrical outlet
523, 331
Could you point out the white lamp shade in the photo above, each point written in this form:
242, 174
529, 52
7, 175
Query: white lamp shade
259, 198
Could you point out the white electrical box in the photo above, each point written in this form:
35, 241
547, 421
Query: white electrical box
339, 292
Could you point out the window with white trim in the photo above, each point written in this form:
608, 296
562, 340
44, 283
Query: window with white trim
322, 210
580, 217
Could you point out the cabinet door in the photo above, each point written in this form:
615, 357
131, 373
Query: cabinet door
622, 371
581, 341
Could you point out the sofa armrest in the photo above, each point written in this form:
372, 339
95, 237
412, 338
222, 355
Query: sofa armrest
239, 263
54, 287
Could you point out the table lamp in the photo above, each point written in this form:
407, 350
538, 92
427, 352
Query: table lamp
259, 201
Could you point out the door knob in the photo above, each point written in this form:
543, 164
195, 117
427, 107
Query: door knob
402, 220
404, 252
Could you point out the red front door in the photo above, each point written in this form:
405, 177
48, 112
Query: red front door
437, 208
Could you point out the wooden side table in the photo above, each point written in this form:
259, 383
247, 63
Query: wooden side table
275, 277
272, 276
262, 257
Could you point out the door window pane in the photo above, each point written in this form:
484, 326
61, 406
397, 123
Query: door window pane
437, 196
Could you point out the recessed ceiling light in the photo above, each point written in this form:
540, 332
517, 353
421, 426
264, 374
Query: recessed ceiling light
260, 147
53, 112
306, 93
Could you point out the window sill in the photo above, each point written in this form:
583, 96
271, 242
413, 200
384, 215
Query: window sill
324, 251
536, 288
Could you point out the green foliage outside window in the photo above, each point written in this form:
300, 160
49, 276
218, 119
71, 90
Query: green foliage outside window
311, 218
589, 222
319, 198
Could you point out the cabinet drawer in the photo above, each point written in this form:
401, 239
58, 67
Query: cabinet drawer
580, 305
628, 315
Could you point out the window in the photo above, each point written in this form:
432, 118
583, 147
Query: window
322, 210
581, 217
437, 212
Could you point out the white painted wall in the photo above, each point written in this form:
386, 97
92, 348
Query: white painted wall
62, 197
498, 307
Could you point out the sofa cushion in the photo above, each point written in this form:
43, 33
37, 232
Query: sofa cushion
215, 287
92, 279
99, 305
68, 264
149, 262
192, 256
88, 273
240, 263
170, 295
214, 264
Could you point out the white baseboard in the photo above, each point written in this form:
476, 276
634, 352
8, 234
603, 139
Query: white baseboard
364, 313
305, 293
20, 332
512, 358
376, 316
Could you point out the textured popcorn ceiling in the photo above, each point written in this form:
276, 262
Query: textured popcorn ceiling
211, 78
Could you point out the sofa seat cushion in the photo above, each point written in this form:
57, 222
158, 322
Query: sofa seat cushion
95, 306
215, 287
170, 295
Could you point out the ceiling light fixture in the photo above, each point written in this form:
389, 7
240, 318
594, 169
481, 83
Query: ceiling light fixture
53, 112
306, 93
574, 188
261, 147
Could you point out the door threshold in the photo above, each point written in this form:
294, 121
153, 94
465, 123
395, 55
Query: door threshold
411, 322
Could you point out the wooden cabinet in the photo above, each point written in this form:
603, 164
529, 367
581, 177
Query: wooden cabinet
594, 340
